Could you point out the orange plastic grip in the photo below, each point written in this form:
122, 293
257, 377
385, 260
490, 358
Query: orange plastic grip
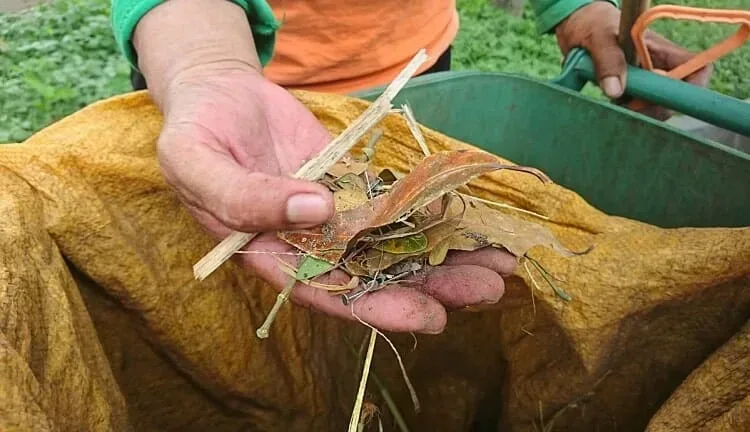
702, 59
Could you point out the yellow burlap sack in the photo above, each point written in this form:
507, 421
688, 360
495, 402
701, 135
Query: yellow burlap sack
716, 396
102, 326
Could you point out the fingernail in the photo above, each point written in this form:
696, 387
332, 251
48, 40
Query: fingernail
307, 209
612, 87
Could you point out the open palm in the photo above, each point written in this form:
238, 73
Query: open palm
230, 144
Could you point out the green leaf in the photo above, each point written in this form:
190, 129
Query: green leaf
312, 267
547, 278
404, 245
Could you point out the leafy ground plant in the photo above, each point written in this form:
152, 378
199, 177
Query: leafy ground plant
54, 59
60, 56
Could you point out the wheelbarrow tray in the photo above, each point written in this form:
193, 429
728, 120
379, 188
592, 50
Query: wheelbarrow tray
622, 162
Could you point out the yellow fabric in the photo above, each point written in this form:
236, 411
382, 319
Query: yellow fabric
716, 396
102, 326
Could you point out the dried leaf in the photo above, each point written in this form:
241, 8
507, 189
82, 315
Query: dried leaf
355, 268
347, 199
433, 177
387, 176
347, 165
373, 261
439, 253
352, 181
484, 226
331, 240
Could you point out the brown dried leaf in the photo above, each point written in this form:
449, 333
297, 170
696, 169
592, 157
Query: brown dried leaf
331, 240
387, 176
347, 165
347, 199
434, 176
374, 260
484, 226
439, 253
352, 181
355, 268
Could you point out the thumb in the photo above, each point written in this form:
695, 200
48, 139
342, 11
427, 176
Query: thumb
609, 63
242, 200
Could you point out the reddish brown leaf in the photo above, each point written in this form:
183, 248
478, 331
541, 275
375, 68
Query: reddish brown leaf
434, 176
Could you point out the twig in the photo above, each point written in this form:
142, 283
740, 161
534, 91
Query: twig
354, 422
315, 168
281, 298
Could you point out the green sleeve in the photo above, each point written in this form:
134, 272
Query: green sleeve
549, 13
127, 13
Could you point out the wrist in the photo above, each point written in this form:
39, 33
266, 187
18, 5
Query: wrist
206, 83
183, 37
574, 18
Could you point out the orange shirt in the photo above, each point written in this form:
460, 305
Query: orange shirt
341, 46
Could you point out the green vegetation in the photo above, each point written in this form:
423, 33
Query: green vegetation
58, 57
55, 59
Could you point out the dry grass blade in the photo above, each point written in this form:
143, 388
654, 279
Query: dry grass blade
505, 206
398, 418
411, 121
317, 167
407, 381
356, 412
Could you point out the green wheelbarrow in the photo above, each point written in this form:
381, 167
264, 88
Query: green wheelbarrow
622, 162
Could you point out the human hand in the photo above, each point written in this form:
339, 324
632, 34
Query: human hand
595, 27
231, 141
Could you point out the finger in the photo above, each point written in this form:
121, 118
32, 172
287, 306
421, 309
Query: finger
239, 198
666, 55
609, 63
456, 287
701, 77
497, 260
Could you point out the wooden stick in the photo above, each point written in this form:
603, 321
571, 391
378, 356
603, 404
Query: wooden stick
631, 10
315, 168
